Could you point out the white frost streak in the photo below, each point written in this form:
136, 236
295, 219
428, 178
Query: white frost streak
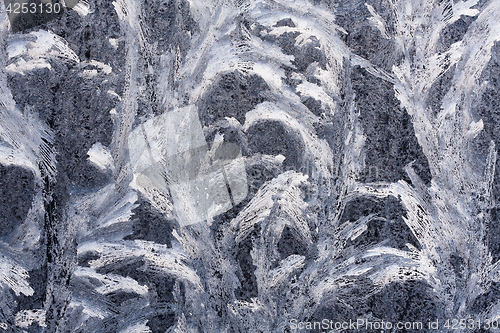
377, 21
28, 54
316, 150
105, 208
100, 156
22, 135
14, 277
475, 128
287, 266
82, 8
88, 309
111, 282
316, 92
381, 265
280, 197
159, 258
